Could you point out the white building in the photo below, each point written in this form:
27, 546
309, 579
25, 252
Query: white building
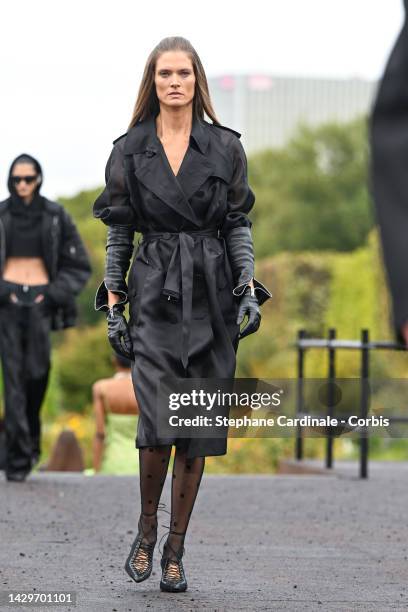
267, 109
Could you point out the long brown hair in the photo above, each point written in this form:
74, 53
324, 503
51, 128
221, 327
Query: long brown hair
147, 103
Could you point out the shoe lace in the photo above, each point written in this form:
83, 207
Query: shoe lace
172, 570
142, 557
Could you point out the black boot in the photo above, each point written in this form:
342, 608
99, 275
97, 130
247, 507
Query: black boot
17, 476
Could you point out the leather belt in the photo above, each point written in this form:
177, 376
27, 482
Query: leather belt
179, 276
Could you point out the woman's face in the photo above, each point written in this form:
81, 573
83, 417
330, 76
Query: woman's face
24, 188
174, 73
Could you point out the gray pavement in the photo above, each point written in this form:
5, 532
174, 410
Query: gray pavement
255, 542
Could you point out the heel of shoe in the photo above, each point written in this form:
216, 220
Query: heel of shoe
173, 579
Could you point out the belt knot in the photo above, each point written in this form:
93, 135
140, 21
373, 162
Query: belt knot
180, 274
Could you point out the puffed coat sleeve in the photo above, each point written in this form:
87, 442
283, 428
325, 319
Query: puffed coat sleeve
236, 226
113, 208
240, 197
113, 205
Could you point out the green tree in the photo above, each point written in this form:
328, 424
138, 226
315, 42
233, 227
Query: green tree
312, 194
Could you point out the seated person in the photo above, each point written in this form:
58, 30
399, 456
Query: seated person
116, 415
66, 455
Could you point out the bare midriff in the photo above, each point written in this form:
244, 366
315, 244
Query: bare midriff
26, 271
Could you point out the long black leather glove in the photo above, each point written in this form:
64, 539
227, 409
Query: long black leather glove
249, 306
241, 256
119, 249
118, 332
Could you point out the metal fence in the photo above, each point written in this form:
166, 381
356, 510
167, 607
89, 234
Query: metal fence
332, 345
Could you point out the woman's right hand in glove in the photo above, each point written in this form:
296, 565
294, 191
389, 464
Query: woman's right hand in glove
248, 306
118, 332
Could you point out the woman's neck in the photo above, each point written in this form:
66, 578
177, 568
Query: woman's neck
171, 123
26, 200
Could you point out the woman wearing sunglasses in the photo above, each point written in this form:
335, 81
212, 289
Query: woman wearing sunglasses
43, 266
182, 182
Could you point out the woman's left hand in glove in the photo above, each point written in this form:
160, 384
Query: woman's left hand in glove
118, 332
249, 305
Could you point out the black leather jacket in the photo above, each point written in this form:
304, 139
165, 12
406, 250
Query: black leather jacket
65, 258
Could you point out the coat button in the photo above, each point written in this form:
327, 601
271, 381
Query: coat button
166, 235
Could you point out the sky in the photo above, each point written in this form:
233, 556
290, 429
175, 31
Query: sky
70, 71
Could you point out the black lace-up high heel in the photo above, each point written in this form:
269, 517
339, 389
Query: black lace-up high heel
173, 578
140, 560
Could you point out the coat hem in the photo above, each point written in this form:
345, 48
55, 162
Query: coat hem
174, 443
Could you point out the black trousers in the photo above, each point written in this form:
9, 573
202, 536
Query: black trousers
25, 349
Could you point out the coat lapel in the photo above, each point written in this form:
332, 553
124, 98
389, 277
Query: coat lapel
194, 171
201, 162
152, 168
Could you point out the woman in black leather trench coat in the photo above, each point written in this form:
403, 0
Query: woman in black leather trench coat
182, 183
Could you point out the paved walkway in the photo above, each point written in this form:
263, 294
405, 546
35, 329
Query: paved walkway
284, 542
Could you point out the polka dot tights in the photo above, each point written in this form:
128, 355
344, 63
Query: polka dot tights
186, 479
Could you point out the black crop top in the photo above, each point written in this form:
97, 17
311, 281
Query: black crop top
24, 239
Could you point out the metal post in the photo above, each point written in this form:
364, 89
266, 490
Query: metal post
364, 398
330, 399
299, 399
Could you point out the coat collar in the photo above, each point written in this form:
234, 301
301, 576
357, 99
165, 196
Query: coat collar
143, 136
152, 168
49, 206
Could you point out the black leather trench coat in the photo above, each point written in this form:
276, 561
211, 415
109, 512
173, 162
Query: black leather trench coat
182, 300
389, 178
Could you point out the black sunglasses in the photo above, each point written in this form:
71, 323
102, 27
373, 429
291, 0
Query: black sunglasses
28, 179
